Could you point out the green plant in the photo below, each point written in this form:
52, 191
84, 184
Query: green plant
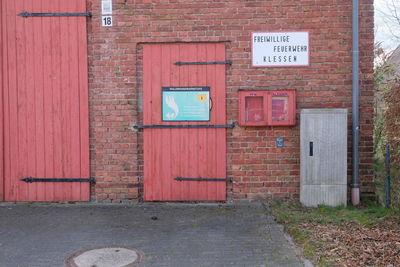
386, 124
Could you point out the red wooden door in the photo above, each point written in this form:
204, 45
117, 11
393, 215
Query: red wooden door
170, 153
44, 99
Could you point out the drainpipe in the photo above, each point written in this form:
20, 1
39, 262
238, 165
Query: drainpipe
355, 181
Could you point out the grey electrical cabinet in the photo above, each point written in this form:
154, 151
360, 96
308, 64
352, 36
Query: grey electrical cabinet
323, 160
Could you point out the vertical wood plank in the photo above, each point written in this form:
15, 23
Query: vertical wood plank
2, 86
155, 119
13, 102
45, 190
84, 102
30, 83
167, 160
7, 70
221, 119
211, 133
68, 116
40, 96
175, 140
65, 99
21, 103
56, 52
183, 133
156, 84
191, 161
148, 196
153, 132
203, 157
74, 102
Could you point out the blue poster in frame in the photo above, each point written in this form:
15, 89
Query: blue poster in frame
186, 103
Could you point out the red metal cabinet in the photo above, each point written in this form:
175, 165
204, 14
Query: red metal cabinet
253, 108
282, 105
267, 108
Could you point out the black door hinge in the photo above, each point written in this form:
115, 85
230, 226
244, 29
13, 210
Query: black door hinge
227, 62
32, 180
26, 14
229, 180
185, 126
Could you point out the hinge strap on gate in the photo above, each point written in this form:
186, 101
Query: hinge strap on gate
229, 180
184, 126
26, 14
227, 62
32, 180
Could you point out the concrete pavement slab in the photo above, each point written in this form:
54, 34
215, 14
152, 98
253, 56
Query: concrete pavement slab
168, 234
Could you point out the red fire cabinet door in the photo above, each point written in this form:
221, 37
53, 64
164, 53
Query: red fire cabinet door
283, 107
267, 108
253, 108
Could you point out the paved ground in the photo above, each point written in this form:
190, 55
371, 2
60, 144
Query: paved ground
180, 235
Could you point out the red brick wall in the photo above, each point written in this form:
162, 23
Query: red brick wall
258, 169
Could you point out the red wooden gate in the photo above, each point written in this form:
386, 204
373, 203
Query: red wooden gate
183, 164
44, 99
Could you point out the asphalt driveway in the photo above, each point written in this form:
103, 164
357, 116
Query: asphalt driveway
41, 235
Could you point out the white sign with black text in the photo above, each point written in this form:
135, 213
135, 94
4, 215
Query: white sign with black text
106, 9
270, 49
106, 21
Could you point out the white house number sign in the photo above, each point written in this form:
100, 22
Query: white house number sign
106, 11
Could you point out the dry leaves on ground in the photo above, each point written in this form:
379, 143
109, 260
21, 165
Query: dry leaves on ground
351, 244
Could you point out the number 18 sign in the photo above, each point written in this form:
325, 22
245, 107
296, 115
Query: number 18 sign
106, 21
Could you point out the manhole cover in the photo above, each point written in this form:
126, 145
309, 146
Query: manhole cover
106, 257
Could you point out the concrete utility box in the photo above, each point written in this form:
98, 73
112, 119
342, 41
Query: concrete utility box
323, 149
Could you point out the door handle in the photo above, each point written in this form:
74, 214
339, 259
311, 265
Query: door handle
311, 149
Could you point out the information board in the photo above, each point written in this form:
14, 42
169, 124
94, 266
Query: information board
280, 49
185, 103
